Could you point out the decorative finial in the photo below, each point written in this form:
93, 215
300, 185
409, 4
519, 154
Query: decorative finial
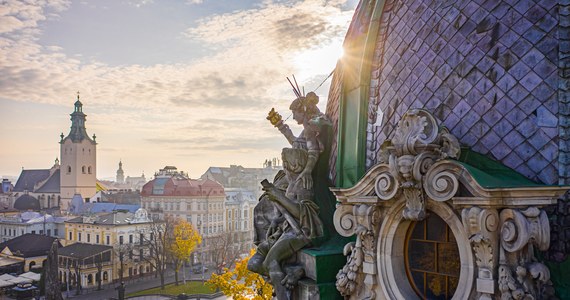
62, 136
94, 137
77, 95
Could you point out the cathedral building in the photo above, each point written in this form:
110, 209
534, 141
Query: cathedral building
53, 188
78, 152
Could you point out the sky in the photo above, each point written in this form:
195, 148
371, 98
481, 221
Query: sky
186, 83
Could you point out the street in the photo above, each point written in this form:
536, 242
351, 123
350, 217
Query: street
133, 285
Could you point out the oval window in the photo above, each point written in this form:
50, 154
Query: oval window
432, 258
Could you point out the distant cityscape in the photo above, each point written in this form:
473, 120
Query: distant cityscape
113, 220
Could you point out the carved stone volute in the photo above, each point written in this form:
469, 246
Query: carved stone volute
417, 144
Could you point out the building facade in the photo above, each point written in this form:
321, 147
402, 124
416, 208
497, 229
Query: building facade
43, 185
25, 253
239, 217
124, 232
33, 223
201, 202
85, 265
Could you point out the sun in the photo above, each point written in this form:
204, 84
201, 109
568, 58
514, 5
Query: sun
321, 59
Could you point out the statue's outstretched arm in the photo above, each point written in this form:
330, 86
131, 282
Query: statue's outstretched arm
286, 131
277, 121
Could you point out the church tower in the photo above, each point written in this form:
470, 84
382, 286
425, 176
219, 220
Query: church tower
120, 174
78, 160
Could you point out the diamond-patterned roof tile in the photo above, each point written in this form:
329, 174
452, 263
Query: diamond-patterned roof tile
484, 81
531, 81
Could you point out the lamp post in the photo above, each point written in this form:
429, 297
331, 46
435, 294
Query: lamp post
68, 278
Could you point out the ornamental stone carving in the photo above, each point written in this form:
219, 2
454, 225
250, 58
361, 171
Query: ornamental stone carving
417, 144
497, 224
482, 226
521, 276
360, 268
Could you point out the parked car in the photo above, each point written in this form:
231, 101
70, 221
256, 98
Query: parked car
197, 269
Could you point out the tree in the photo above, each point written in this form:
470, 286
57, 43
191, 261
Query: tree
157, 242
99, 264
122, 253
185, 240
225, 250
242, 284
77, 268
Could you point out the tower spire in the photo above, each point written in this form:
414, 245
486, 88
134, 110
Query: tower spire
78, 131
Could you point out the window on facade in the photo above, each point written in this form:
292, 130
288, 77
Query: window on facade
71, 236
97, 239
83, 169
68, 169
108, 240
432, 259
79, 236
49, 232
89, 238
89, 169
121, 239
56, 232
130, 238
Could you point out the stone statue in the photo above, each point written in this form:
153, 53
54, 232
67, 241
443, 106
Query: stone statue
295, 224
52, 286
287, 217
306, 113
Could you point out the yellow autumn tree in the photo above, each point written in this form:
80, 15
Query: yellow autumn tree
241, 284
185, 239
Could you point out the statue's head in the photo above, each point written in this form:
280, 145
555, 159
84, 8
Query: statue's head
304, 108
294, 160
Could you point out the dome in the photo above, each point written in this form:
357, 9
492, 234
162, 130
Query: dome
27, 202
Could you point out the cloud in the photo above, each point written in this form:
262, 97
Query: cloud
226, 92
140, 3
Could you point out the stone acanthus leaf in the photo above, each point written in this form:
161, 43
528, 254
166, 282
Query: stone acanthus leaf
481, 226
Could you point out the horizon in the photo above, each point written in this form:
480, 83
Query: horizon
187, 84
